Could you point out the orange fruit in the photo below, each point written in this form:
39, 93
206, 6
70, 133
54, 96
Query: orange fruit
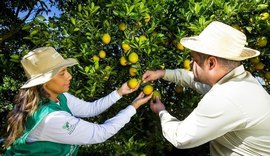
187, 64
255, 60
102, 54
133, 57
132, 71
162, 66
267, 75
147, 18
123, 61
156, 94
236, 26
259, 66
142, 38
106, 38
132, 83
179, 46
122, 26
108, 68
126, 47
106, 77
148, 89
262, 41
138, 25
179, 89
264, 16
95, 58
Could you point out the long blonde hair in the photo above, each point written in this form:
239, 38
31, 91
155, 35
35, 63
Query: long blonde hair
26, 103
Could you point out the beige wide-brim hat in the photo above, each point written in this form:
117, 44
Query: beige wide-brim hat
221, 40
42, 64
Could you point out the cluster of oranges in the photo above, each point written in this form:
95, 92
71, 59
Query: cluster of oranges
147, 89
131, 57
106, 39
259, 66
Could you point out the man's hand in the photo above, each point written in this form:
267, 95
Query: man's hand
157, 106
152, 75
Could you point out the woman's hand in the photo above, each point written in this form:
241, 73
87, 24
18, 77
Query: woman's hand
140, 100
124, 89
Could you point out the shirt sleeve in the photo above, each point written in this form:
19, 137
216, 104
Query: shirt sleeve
211, 119
81, 108
186, 79
62, 127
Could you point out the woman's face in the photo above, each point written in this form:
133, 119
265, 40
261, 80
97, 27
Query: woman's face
58, 84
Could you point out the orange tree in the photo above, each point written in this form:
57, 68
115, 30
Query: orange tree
118, 40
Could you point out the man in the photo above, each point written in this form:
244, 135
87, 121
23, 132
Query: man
234, 114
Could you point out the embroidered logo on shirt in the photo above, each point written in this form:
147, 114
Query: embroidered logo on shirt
70, 127
72, 150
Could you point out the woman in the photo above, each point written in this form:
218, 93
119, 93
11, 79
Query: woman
45, 119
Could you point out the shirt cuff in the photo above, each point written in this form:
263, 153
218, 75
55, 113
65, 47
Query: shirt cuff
161, 113
115, 96
169, 73
131, 110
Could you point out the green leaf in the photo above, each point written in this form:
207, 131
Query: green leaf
86, 69
79, 7
41, 18
34, 32
197, 8
76, 29
26, 27
262, 6
14, 57
73, 21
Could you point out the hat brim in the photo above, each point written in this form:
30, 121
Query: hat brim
194, 44
45, 77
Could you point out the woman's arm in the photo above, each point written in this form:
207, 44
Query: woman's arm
62, 127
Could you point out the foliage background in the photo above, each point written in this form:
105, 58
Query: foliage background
78, 33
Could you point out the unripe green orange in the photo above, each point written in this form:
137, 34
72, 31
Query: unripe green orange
264, 16
156, 94
255, 60
142, 38
147, 18
262, 41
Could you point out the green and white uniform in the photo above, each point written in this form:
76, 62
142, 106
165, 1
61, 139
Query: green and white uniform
57, 127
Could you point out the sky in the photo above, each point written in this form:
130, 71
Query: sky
54, 12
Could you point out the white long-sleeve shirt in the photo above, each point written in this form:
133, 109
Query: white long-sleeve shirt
62, 127
234, 115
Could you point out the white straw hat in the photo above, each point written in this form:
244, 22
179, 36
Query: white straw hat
42, 64
221, 40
